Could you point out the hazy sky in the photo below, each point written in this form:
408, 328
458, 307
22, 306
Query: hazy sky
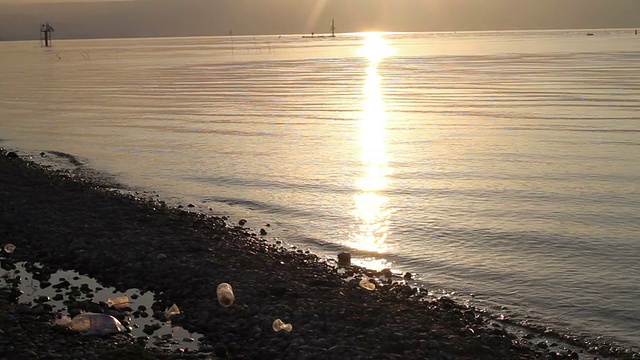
21, 19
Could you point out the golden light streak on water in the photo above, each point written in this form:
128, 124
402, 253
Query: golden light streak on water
371, 211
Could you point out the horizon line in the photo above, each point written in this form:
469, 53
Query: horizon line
322, 34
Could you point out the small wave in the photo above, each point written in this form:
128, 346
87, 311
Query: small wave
72, 159
271, 208
322, 188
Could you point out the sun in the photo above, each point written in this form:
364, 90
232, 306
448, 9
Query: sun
375, 47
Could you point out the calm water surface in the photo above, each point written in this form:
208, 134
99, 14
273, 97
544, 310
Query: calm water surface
504, 164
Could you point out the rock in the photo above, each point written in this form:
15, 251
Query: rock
220, 350
12, 155
63, 284
344, 259
42, 299
36, 310
429, 344
386, 272
150, 329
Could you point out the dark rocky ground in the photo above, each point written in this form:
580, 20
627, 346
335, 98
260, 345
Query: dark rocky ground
64, 222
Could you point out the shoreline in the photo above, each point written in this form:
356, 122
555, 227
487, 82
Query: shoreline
123, 241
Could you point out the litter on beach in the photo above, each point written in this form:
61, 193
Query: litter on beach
366, 284
9, 248
280, 325
92, 324
118, 302
173, 310
225, 294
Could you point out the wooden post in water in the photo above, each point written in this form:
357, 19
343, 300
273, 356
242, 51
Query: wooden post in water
333, 29
45, 34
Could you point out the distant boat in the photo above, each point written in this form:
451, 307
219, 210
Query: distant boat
589, 34
333, 33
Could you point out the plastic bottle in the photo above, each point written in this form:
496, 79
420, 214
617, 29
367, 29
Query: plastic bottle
225, 294
366, 284
280, 325
93, 323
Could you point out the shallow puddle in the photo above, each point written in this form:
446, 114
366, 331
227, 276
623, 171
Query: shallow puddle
65, 285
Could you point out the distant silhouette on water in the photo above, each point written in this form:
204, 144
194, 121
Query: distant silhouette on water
45, 34
333, 32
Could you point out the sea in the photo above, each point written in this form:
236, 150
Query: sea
502, 168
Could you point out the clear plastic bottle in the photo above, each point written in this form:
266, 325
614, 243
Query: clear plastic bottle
225, 294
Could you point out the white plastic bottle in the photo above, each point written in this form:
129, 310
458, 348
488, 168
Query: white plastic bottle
225, 294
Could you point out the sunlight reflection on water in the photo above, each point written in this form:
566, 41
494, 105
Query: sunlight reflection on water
371, 210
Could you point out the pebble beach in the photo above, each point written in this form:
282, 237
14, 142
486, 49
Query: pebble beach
60, 220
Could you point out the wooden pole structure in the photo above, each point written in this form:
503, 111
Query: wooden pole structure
42, 28
45, 34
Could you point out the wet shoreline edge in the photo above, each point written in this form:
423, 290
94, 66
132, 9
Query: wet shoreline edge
124, 241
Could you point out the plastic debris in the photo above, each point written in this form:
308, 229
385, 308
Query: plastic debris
92, 324
225, 294
173, 310
118, 302
280, 325
9, 248
366, 284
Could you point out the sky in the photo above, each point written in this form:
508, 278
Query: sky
21, 19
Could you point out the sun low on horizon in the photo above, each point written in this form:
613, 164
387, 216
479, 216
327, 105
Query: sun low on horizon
375, 47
